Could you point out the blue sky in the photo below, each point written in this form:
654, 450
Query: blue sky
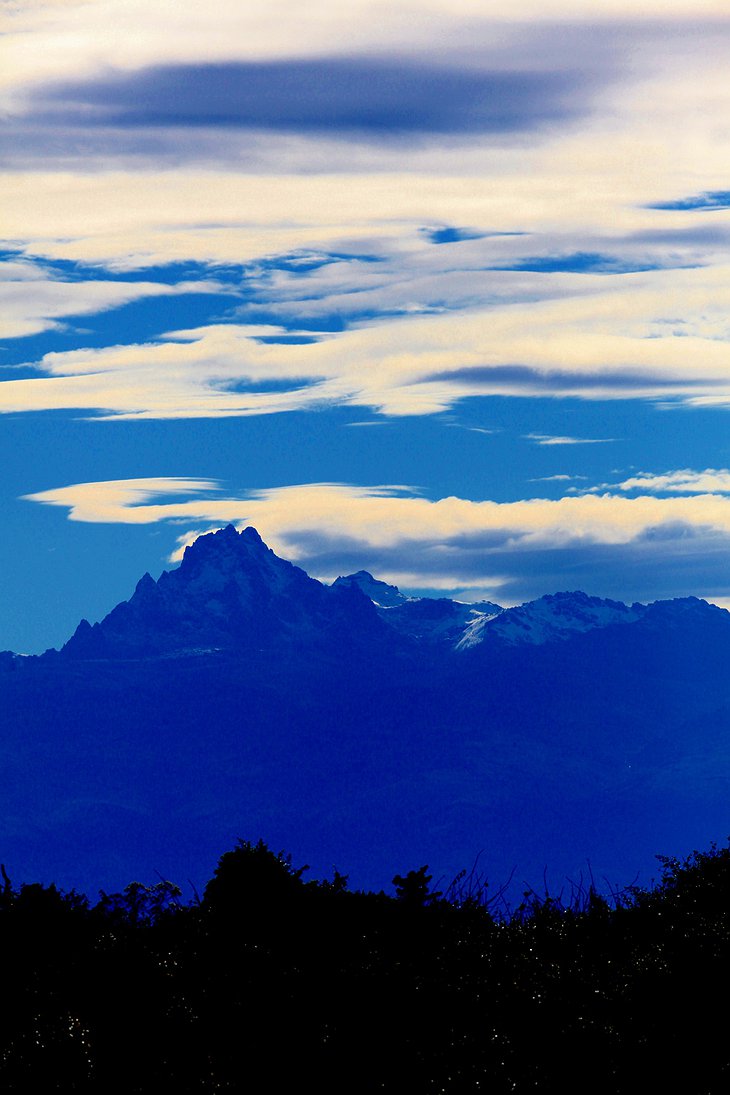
436, 290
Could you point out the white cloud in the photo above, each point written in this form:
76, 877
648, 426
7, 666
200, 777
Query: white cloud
685, 481
548, 439
600, 340
31, 301
129, 219
562, 478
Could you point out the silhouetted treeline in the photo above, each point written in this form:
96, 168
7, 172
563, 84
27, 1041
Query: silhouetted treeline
270, 983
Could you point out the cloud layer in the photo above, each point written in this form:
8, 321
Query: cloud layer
574, 345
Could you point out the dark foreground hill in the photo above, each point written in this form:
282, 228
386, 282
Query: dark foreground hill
237, 697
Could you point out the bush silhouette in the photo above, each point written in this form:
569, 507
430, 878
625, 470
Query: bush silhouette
413, 888
252, 877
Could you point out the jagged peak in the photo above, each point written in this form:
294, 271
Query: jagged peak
249, 533
679, 608
146, 582
376, 590
574, 596
227, 544
217, 538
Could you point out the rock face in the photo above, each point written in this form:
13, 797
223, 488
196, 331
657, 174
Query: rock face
238, 697
382, 594
231, 592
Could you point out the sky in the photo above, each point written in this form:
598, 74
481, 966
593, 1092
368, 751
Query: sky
440, 290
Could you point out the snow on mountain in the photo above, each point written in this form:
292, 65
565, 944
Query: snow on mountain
553, 617
425, 619
438, 620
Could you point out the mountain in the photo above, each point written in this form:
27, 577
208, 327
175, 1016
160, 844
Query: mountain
380, 593
238, 697
425, 619
550, 618
230, 592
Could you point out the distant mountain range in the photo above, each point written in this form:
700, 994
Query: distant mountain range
357, 727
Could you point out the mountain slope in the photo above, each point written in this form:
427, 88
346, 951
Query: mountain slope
550, 618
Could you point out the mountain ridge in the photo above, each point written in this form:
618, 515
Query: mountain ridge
231, 591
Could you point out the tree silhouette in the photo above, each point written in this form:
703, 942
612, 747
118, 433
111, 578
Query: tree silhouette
413, 888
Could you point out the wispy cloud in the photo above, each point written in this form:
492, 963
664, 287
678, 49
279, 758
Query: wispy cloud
548, 439
563, 478
374, 422
32, 301
572, 346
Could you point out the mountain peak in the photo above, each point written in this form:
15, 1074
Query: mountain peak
230, 591
380, 593
243, 556
145, 583
222, 541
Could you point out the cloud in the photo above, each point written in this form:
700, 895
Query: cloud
685, 481
288, 195
374, 422
563, 478
593, 342
548, 439
84, 96
377, 96
32, 301
128, 499
540, 278
524, 547
73, 36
